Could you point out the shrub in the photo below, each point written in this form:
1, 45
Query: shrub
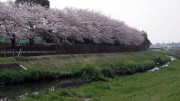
120, 68
132, 68
90, 72
157, 60
108, 72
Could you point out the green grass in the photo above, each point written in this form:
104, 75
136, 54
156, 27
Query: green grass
91, 67
162, 85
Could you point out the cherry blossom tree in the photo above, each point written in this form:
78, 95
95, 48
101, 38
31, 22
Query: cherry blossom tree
101, 29
22, 21
69, 25
10, 22
33, 17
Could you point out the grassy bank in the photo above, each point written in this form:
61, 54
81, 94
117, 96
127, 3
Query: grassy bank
162, 85
175, 53
91, 67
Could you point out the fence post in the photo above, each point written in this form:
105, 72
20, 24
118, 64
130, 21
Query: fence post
19, 52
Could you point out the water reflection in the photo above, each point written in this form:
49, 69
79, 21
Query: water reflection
8, 93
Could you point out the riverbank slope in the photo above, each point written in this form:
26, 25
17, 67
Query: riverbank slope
162, 85
91, 67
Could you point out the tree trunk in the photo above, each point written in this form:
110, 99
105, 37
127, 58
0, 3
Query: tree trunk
5, 47
31, 41
13, 42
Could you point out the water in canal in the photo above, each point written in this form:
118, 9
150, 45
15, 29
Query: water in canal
8, 93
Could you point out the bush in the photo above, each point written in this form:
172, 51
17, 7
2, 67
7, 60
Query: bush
120, 68
108, 72
132, 68
90, 72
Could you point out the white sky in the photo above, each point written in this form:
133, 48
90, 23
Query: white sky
159, 18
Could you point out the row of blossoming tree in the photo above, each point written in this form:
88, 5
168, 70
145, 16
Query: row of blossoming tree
66, 26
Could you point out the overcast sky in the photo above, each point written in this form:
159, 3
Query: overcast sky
159, 18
